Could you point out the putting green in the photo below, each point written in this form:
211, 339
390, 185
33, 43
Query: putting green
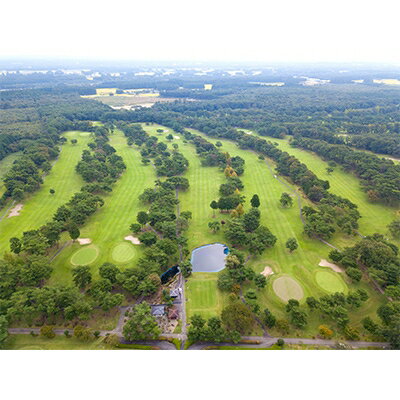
287, 288
85, 256
330, 282
123, 252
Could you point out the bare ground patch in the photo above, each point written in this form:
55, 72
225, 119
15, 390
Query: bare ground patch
132, 239
333, 267
267, 271
176, 137
84, 241
14, 212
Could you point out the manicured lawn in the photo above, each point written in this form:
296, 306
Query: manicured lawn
110, 224
330, 281
40, 207
85, 256
375, 217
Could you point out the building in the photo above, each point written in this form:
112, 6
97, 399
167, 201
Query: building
158, 310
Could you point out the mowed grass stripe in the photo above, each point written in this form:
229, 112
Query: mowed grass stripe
40, 207
110, 224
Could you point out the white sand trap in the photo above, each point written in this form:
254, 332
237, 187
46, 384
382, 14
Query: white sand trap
132, 239
84, 241
267, 271
15, 211
249, 133
176, 137
333, 267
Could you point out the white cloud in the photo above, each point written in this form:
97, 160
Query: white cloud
252, 30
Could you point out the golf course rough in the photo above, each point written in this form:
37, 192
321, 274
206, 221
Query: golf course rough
287, 288
123, 252
330, 281
85, 256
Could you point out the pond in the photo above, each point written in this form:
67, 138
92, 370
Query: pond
209, 258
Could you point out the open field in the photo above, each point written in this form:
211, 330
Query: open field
375, 217
130, 101
40, 206
108, 227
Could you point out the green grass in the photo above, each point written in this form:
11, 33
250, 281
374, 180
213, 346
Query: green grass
110, 224
301, 265
330, 281
85, 256
123, 252
40, 207
375, 217
5, 165
28, 342
287, 288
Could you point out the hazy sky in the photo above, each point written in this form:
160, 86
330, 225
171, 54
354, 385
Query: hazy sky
206, 30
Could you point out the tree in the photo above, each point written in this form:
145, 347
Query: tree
394, 228
292, 244
354, 273
170, 137
47, 331
214, 206
141, 324
393, 292
218, 143
109, 271
237, 317
371, 326
260, 281
298, 318
255, 201
269, 319
186, 269
3, 330
135, 228
329, 170
325, 332
74, 141
312, 303
148, 238
142, 218
283, 326
291, 304
15, 245
215, 226
82, 333
286, 200
280, 342
82, 276
74, 232
52, 191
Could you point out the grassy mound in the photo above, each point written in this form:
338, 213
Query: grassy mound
85, 256
330, 282
287, 288
123, 252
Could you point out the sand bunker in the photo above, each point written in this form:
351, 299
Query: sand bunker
176, 137
132, 239
84, 241
267, 271
15, 211
333, 267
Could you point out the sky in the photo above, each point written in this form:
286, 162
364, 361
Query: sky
217, 30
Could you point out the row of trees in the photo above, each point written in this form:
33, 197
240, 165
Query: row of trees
379, 177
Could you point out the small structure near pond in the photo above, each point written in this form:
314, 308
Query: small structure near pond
209, 258
170, 273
